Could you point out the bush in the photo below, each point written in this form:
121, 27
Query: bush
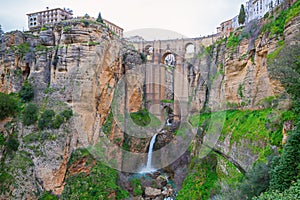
2, 139
67, 114
257, 181
46, 119
30, 114
292, 193
26, 93
8, 106
137, 187
58, 121
48, 196
12, 143
100, 183
285, 169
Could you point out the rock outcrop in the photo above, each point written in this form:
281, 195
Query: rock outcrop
74, 66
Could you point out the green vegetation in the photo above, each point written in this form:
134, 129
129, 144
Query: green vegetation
107, 126
8, 105
167, 101
240, 90
144, 118
248, 124
30, 114
93, 43
276, 26
45, 121
271, 56
293, 11
49, 119
21, 49
100, 183
2, 139
67, 29
99, 18
48, 196
137, 186
26, 93
285, 169
41, 47
44, 28
242, 15
233, 41
200, 180
292, 193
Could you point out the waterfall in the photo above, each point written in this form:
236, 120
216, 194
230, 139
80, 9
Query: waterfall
149, 160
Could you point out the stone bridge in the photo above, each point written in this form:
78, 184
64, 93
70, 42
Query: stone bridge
167, 73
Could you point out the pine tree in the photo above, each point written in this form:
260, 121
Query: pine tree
242, 15
99, 19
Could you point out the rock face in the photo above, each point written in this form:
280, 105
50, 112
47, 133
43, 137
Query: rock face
152, 192
78, 66
74, 66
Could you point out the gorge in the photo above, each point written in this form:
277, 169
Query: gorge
84, 110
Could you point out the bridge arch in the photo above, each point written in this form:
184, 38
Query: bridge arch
189, 48
168, 58
149, 50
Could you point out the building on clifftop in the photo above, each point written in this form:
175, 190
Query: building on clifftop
37, 20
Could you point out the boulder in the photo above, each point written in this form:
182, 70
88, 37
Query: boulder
152, 192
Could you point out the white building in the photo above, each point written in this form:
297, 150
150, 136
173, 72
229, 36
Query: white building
48, 16
256, 9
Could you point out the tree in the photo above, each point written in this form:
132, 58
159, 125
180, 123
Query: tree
242, 15
285, 169
99, 19
30, 114
46, 119
26, 93
8, 106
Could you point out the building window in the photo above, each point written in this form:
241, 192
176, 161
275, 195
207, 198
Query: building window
261, 4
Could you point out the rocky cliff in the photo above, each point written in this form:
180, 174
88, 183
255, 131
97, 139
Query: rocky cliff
77, 65
74, 65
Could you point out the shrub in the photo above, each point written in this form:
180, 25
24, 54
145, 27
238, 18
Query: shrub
46, 119
8, 106
26, 93
30, 114
48, 196
12, 143
233, 41
137, 187
67, 29
2, 139
58, 121
100, 183
285, 169
67, 114
257, 181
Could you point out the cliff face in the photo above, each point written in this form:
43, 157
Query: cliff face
78, 66
75, 66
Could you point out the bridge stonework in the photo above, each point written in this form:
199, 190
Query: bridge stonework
167, 84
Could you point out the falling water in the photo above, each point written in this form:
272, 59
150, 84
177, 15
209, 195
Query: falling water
149, 160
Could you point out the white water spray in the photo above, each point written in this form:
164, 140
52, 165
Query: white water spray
149, 160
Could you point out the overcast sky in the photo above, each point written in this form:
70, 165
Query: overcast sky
188, 17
